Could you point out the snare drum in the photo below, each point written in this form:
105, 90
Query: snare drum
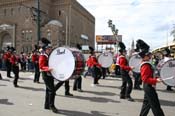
105, 59
135, 61
66, 63
167, 72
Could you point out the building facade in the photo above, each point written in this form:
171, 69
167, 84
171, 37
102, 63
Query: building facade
64, 22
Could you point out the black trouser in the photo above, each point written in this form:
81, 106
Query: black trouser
137, 80
15, 69
117, 70
126, 87
89, 71
8, 67
50, 90
77, 83
37, 72
104, 71
60, 83
23, 66
150, 101
96, 74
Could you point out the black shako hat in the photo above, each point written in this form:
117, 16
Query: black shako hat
78, 46
36, 48
8, 48
143, 48
45, 43
12, 49
166, 52
122, 47
91, 49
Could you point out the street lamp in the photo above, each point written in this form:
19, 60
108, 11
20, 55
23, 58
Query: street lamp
114, 31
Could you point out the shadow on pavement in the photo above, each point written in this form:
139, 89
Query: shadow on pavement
2, 85
25, 78
8, 80
100, 93
165, 91
162, 102
5, 101
32, 88
108, 86
94, 99
77, 113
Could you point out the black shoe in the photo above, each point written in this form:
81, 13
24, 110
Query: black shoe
122, 97
169, 89
80, 90
47, 108
9, 76
137, 88
68, 94
0, 77
16, 85
130, 99
54, 109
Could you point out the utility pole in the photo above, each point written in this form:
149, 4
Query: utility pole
38, 22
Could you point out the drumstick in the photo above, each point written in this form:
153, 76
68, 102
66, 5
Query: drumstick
168, 78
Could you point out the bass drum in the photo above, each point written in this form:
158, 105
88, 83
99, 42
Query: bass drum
105, 59
167, 72
135, 61
66, 63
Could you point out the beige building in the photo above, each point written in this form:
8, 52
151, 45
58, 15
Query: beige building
64, 22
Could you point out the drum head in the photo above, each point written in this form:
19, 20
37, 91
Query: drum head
105, 59
167, 73
135, 61
63, 63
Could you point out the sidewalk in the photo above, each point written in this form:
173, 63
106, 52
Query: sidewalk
101, 100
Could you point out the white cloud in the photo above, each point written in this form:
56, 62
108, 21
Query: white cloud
146, 19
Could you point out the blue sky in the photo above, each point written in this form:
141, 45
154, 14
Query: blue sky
150, 20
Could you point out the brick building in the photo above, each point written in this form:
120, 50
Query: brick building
64, 22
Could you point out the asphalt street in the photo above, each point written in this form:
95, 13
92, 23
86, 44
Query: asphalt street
100, 100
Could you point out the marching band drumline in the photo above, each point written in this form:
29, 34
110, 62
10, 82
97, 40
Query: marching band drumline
94, 64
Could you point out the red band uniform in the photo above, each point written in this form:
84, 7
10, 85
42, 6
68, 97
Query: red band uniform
35, 60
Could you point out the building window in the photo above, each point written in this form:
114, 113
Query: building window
27, 35
49, 34
12, 11
5, 12
19, 9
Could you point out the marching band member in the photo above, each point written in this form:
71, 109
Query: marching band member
78, 81
166, 57
47, 77
136, 75
35, 59
127, 84
6, 57
14, 60
95, 66
150, 96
